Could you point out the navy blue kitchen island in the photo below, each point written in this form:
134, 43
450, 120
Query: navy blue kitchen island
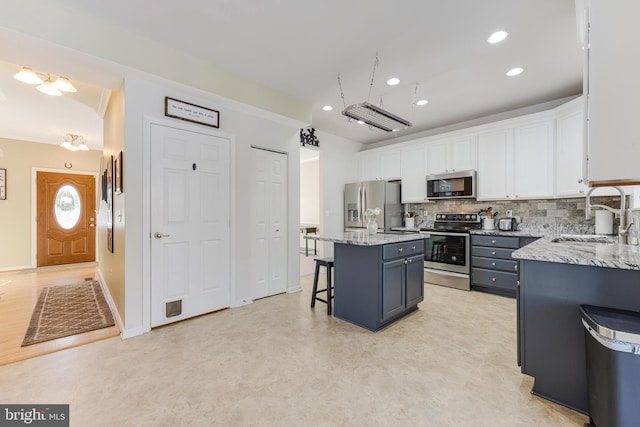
378, 279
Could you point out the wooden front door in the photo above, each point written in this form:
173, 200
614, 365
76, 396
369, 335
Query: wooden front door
66, 218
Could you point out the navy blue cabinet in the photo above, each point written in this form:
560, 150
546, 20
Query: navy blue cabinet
492, 267
377, 285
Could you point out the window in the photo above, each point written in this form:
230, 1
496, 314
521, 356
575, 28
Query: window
67, 207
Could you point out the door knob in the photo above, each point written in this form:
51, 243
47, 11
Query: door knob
159, 235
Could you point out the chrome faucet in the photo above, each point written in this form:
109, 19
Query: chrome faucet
623, 235
623, 229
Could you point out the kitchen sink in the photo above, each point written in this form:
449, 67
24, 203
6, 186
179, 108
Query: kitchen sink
591, 238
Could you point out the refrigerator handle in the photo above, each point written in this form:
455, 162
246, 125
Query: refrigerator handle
364, 201
360, 204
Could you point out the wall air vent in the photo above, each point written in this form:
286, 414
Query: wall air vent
376, 117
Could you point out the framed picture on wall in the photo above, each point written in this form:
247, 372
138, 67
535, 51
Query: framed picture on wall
3, 184
110, 203
117, 174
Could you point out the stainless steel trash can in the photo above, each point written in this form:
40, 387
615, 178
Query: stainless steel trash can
612, 339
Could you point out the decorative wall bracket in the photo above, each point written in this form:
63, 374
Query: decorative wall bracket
307, 137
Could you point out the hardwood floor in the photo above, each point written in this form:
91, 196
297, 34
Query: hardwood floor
19, 291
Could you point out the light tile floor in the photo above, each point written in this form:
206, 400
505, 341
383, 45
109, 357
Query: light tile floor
276, 362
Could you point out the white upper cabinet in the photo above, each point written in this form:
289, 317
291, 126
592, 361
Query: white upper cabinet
535, 156
516, 162
452, 154
390, 165
414, 174
380, 165
613, 110
463, 153
368, 166
495, 164
438, 156
533, 152
569, 151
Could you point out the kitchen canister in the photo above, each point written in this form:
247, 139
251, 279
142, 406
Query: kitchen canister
604, 222
488, 224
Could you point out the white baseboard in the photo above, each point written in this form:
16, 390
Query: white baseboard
293, 289
24, 267
240, 303
112, 304
133, 332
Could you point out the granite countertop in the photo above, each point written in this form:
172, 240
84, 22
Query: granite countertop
361, 238
609, 255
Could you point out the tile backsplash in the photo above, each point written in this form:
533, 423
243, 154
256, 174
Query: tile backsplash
548, 216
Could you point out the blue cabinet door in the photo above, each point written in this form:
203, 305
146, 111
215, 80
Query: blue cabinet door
393, 288
415, 280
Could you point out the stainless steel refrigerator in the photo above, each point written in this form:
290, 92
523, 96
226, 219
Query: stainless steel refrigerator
359, 196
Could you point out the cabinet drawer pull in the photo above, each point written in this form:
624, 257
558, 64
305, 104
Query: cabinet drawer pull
413, 248
493, 242
399, 249
493, 264
493, 279
409, 261
493, 252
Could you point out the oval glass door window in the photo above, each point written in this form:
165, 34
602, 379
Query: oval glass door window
67, 207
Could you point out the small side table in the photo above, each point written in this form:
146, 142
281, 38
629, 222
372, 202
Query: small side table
309, 230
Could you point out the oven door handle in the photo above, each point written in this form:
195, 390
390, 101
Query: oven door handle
442, 233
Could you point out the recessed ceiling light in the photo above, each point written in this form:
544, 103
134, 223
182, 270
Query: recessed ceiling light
497, 37
422, 102
327, 108
515, 71
393, 81
360, 122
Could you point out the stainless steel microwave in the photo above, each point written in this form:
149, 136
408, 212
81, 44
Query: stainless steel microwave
455, 185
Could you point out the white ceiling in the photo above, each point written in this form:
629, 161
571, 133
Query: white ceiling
299, 47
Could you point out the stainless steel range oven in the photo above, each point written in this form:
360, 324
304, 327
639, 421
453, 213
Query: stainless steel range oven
447, 256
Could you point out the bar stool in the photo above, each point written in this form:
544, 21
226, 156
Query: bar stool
328, 264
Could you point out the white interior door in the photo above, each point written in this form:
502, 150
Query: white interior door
268, 223
190, 243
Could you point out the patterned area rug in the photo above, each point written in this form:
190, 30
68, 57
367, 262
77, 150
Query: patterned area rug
68, 310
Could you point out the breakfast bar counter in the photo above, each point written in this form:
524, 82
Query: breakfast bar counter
378, 279
557, 276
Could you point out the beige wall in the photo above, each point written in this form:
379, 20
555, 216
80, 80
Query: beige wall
19, 158
112, 265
